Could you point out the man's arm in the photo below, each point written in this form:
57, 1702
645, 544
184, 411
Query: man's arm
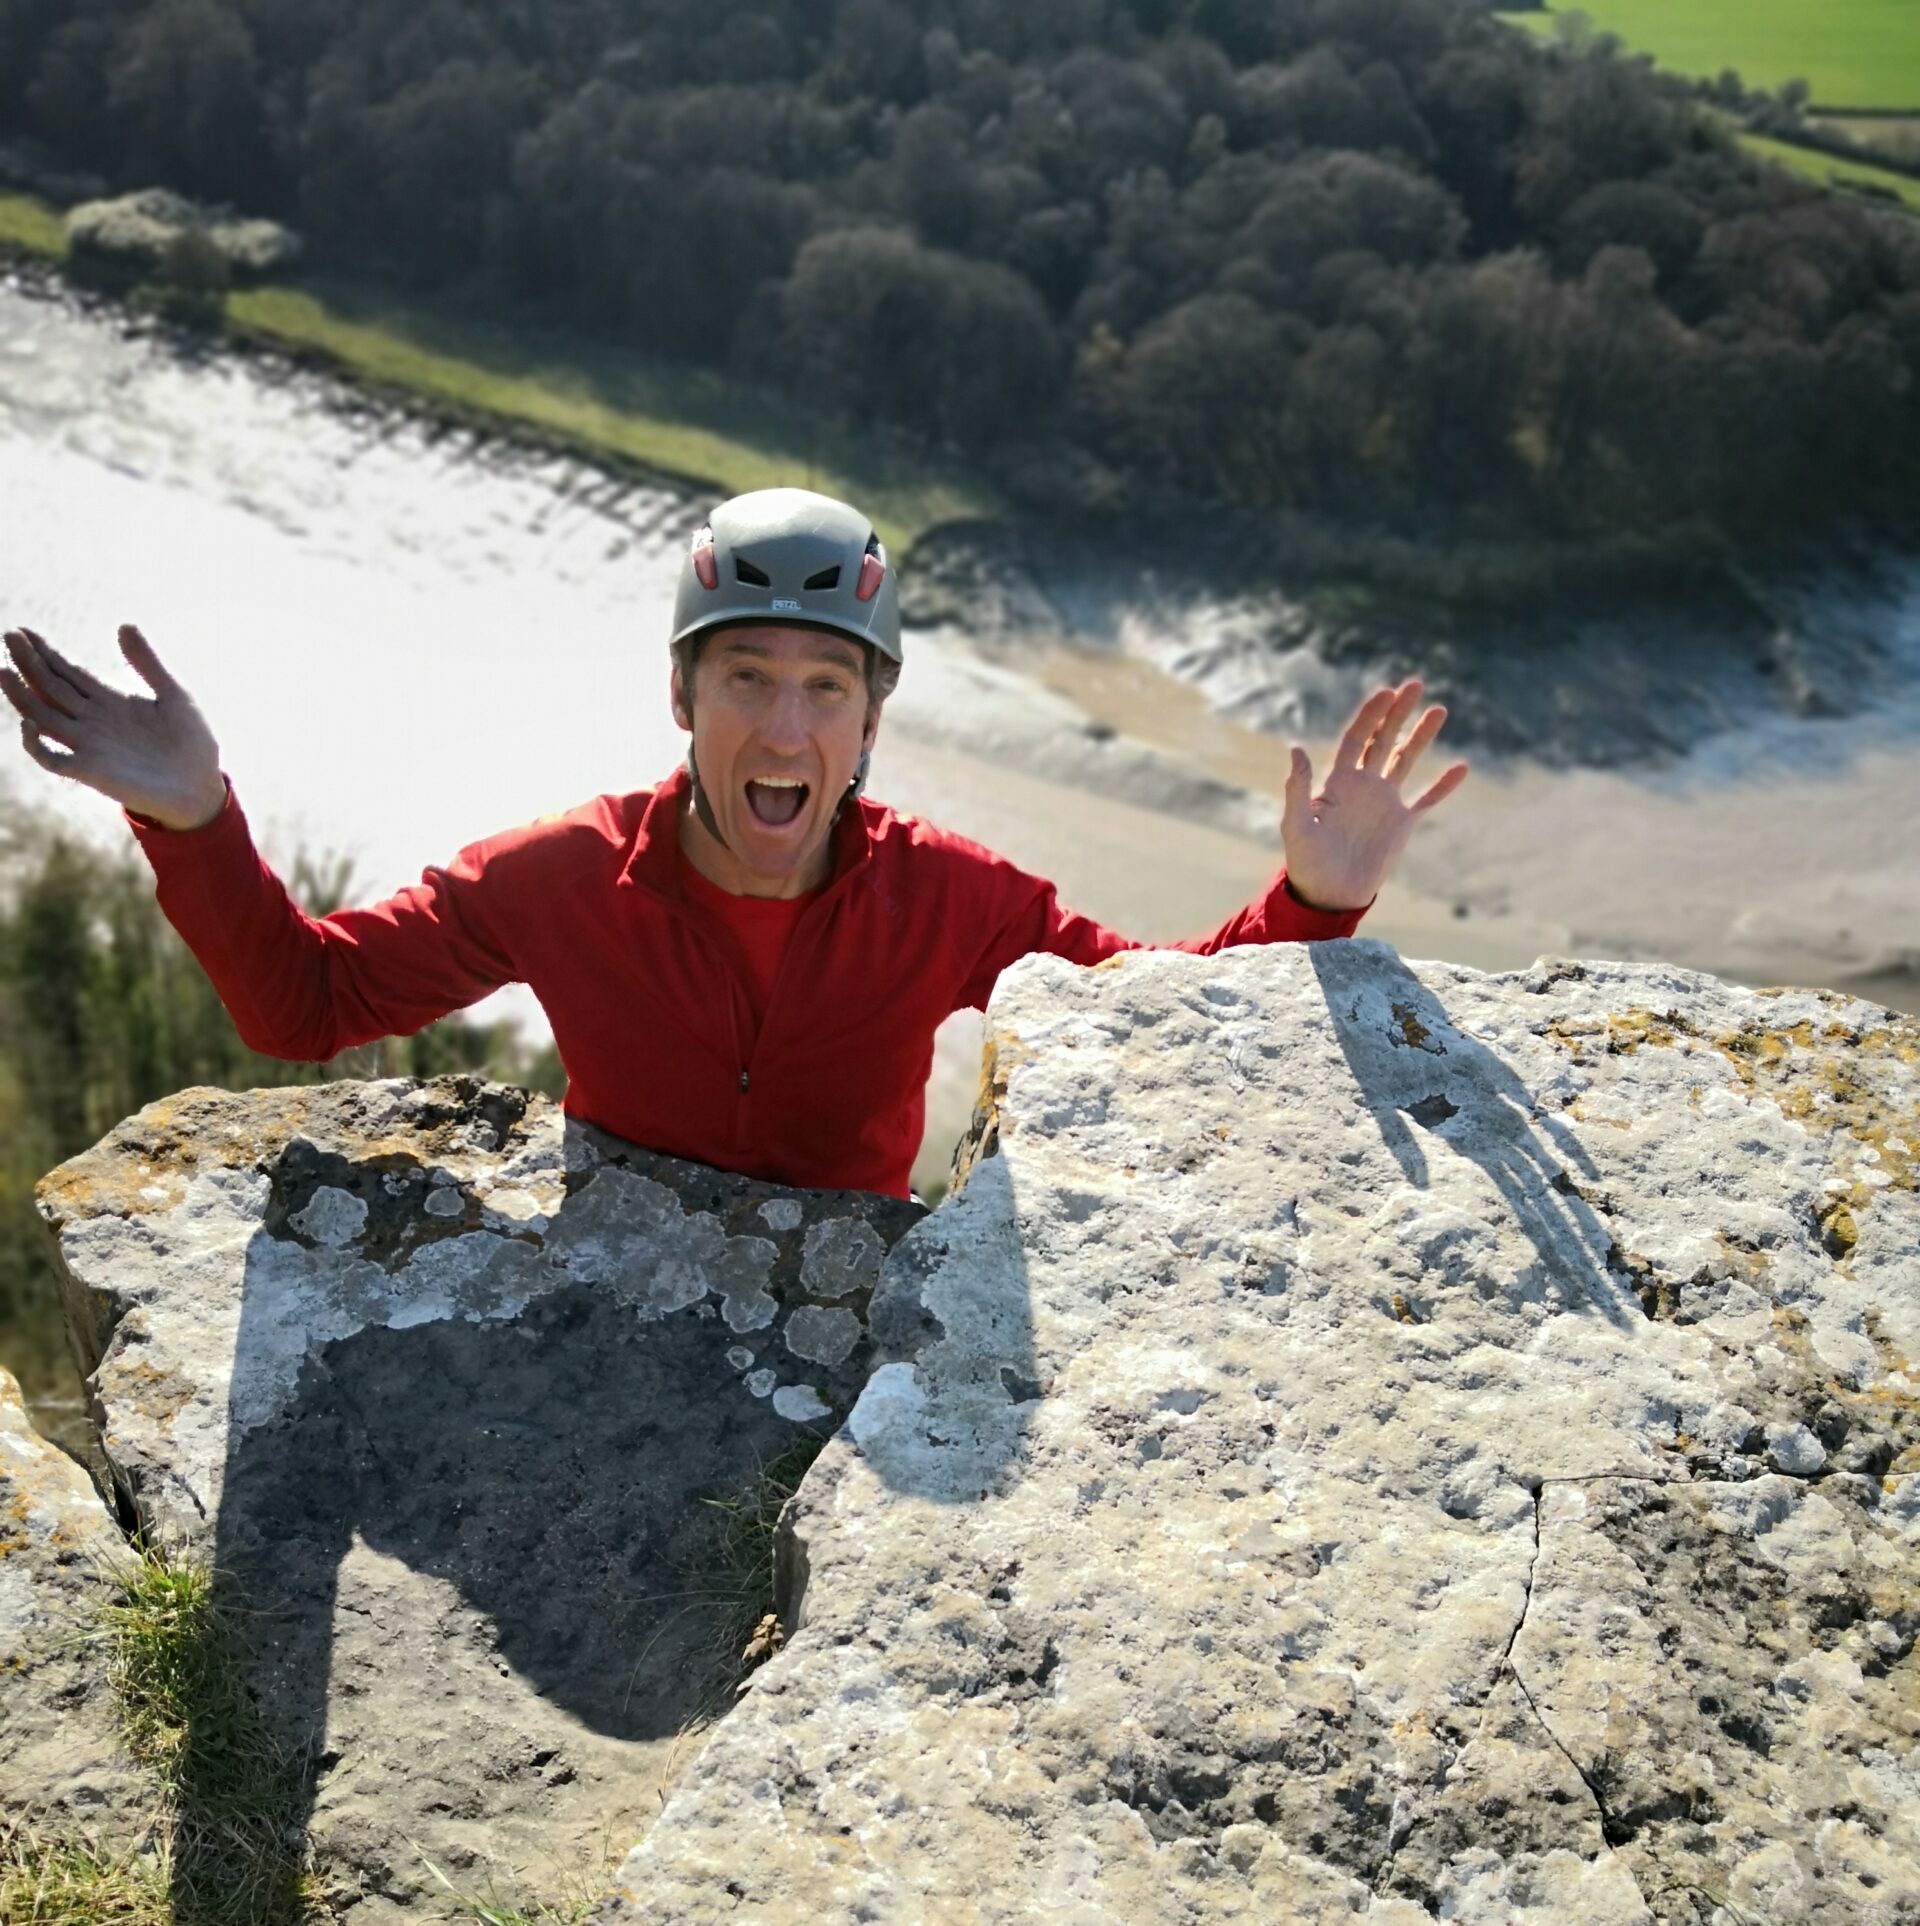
305, 987
296, 986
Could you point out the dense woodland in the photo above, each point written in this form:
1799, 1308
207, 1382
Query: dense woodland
1380, 261
102, 1009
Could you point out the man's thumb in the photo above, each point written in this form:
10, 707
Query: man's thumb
139, 652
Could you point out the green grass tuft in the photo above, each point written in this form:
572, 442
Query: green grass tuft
486, 1905
228, 1795
743, 1585
48, 1880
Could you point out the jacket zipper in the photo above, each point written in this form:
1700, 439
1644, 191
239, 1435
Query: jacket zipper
698, 921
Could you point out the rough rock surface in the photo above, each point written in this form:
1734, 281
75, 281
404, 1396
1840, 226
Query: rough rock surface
134, 231
61, 1761
439, 1381
1368, 1440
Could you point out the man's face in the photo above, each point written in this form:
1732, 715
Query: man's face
779, 721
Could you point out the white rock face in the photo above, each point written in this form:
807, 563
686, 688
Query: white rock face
62, 1763
1368, 1440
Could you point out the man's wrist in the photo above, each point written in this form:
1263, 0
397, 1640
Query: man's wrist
1319, 909
186, 821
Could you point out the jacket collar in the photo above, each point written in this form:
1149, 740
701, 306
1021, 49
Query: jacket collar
652, 861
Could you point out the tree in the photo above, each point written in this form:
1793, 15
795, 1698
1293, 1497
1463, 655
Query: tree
874, 323
440, 151
182, 88
1199, 399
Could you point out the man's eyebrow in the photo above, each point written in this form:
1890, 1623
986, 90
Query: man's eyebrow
830, 650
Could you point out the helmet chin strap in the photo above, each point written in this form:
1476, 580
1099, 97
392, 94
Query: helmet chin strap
701, 807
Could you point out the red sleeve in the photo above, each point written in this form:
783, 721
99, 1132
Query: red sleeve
1022, 914
304, 987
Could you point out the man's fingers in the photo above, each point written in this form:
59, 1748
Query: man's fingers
38, 714
1405, 698
84, 681
38, 674
46, 757
1359, 732
1441, 790
148, 666
1298, 796
1400, 764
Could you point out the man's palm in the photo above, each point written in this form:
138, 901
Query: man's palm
153, 754
1341, 842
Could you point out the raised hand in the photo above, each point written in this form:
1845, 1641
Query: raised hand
153, 754
1341, 842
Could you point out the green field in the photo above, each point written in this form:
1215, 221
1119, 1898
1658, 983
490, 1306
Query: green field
1852, 53
1829, 171
670, 417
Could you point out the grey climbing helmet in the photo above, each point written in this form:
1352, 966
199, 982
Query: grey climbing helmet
789, 555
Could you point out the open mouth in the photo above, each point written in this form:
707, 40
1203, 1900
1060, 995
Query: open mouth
776, 800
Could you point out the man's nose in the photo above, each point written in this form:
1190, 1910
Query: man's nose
783, 724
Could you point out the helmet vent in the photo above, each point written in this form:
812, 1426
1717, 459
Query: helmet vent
746, 572
827, 578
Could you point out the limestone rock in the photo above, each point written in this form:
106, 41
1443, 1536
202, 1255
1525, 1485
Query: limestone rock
1367, 1440
61, 1761
440, 1382
130, 235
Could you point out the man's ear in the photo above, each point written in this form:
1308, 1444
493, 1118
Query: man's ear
677, 698
873, 727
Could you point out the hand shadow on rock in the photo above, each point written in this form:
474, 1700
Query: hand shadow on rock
1414, 1065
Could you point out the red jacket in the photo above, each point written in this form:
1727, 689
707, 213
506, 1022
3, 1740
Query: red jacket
649, 1011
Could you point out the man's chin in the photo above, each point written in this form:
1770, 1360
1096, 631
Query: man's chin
775, 857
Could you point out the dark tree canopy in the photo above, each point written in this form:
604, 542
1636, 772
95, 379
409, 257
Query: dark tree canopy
1373, 259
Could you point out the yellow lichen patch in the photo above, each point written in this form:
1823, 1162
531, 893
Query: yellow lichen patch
1573, 1034
1838, 1232
1627, 1032
1414, 1035
146, 1163
1577, 1110
1865, 1083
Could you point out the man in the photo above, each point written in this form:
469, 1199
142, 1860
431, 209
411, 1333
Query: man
745, 965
